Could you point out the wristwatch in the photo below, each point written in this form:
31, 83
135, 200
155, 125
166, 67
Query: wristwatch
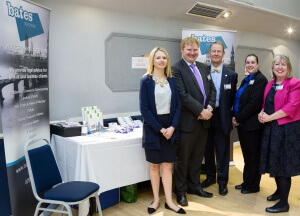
209, 107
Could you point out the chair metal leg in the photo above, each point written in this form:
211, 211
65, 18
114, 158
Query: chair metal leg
69, 210
98, 204
37, 209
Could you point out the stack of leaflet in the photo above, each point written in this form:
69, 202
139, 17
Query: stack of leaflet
92, 117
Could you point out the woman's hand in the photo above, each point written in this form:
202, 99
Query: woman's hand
163, 131
261, 116
234, 122
169, 132
264, 117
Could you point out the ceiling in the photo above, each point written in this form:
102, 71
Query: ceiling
243, 17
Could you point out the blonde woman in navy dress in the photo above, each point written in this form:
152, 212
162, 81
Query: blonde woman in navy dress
280, 152
160, 108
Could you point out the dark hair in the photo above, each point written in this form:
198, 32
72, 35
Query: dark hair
253, 56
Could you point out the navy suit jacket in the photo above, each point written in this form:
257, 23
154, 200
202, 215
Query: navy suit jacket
191, 96
226, 99
151, 126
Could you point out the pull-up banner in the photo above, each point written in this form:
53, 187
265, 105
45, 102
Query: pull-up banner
24, 95
207, 37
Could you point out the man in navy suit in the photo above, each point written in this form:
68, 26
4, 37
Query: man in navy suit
197, 95
218, 140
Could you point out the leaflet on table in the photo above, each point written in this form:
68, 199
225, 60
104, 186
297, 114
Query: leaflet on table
94, 118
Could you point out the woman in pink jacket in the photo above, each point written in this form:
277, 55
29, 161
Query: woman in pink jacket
280, 152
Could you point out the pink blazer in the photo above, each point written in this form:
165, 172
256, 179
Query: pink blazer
287, 99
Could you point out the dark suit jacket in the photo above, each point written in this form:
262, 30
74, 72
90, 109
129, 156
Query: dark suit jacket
251, 102
190, 94
151, 126
227, 98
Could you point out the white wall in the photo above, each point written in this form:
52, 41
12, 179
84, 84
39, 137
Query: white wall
77, 61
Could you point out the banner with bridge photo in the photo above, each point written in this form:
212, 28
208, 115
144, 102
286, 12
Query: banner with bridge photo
207, 37
24, 94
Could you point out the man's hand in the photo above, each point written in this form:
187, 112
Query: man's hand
206, 114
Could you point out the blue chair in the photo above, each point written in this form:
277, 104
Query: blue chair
46, 181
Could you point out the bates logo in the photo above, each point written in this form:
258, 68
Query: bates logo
28, 23
18, 12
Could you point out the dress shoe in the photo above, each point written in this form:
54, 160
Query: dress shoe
208, 182
278, 210
200, 192
152, 210
239, 187
246, 191
273, 197
179, 211
182, 200
223, 190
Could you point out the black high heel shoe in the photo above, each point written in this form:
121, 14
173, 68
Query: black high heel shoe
152, 210
179, 211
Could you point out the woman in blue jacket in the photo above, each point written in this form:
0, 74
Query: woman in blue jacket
160, 108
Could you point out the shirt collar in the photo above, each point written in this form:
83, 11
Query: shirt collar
189, 63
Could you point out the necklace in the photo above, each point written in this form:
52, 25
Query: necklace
161, 83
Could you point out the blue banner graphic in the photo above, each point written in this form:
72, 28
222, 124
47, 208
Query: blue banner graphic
204, 46
29, 29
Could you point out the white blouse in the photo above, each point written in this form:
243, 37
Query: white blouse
162, 95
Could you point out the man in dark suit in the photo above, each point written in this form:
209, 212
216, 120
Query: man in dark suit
197, 95
218, 140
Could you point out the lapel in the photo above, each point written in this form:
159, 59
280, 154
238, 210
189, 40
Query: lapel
151, 89
243, 82
189, 72
172, 87
224, 80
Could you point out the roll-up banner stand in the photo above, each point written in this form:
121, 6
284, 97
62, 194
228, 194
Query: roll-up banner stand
207, 37
24, 93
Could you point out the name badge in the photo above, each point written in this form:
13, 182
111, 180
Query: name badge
209, 77
227, 86
251, 82
279, 87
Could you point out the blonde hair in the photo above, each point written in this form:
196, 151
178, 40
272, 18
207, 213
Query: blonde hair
150, 68
188, 40
284, 59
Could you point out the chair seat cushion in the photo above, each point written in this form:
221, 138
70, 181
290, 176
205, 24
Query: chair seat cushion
71, 191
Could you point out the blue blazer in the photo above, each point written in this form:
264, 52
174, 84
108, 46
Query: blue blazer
151, 125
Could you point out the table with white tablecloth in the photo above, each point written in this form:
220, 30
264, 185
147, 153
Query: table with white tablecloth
109, 159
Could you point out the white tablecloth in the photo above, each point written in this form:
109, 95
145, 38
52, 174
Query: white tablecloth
111, 160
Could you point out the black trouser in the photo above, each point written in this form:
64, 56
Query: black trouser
190, 152
217, 149
251, 144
